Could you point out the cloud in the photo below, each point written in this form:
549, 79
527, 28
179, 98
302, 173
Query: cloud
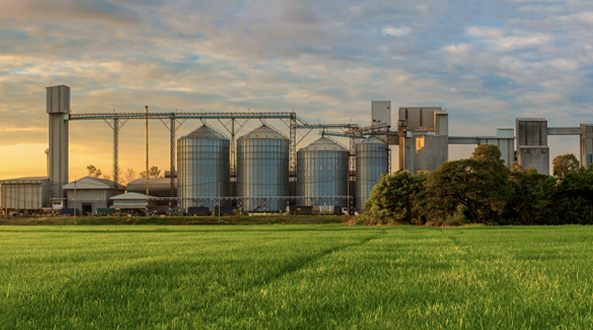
396, 32
508, 40
487, 32
68, 10
485, 61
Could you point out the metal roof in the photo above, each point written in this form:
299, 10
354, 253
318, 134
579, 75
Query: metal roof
29, 179
530, 119
131, 196
204, 132
263, 132
90, 183
324, 143
372, 140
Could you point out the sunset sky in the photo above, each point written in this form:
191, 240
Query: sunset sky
486, 62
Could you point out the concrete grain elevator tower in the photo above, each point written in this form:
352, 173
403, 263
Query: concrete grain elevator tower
58, 109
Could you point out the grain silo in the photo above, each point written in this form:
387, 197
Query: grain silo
322, 170
262, 169
371, 162
203, 167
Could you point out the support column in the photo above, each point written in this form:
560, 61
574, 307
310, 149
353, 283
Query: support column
116, 126
115, 149
292, 145
172, 156
586, 145
233, 164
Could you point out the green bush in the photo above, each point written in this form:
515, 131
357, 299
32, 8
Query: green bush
392, 200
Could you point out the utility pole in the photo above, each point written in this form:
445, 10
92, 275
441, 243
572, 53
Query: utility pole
146, 139
74, 200
401, 133
348, 191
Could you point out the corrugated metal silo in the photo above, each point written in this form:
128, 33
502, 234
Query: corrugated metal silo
202, 163
371, 162
262, 169
322, 170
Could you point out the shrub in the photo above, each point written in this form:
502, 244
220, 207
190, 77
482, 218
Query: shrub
392, 199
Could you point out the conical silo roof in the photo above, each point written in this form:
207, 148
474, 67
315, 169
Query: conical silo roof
263, 132
204, 132
372, 140
324, 143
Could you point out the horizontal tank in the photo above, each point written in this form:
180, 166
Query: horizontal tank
322, 170
158, 187
262, 169
371, 162
203, 167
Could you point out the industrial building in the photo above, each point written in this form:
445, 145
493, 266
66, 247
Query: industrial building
261, 170
532, 142
424, 134
87, 194
25, 195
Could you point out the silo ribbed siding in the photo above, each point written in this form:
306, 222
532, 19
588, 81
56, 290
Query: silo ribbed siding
371, 162
262, 169
203, 163
322, 170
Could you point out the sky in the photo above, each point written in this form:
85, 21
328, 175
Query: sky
486, 62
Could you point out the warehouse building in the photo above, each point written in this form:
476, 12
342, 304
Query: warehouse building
87, 195
25, 195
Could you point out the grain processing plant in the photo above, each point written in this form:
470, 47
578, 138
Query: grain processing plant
263, 170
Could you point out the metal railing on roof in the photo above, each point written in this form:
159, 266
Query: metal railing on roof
182, 115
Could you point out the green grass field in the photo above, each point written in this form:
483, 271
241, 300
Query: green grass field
295, 277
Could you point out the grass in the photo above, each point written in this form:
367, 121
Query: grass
295, 277
268, 219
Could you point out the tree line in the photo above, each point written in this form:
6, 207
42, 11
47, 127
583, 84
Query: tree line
482, 189
128, 176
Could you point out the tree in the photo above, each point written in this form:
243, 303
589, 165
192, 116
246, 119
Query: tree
129, 176
488, 154
392, 199
515, 167
93, 171
575, 197
565, 164
533, 200
479, 187
153, 172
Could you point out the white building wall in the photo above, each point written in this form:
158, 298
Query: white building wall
381, 112
98, 198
